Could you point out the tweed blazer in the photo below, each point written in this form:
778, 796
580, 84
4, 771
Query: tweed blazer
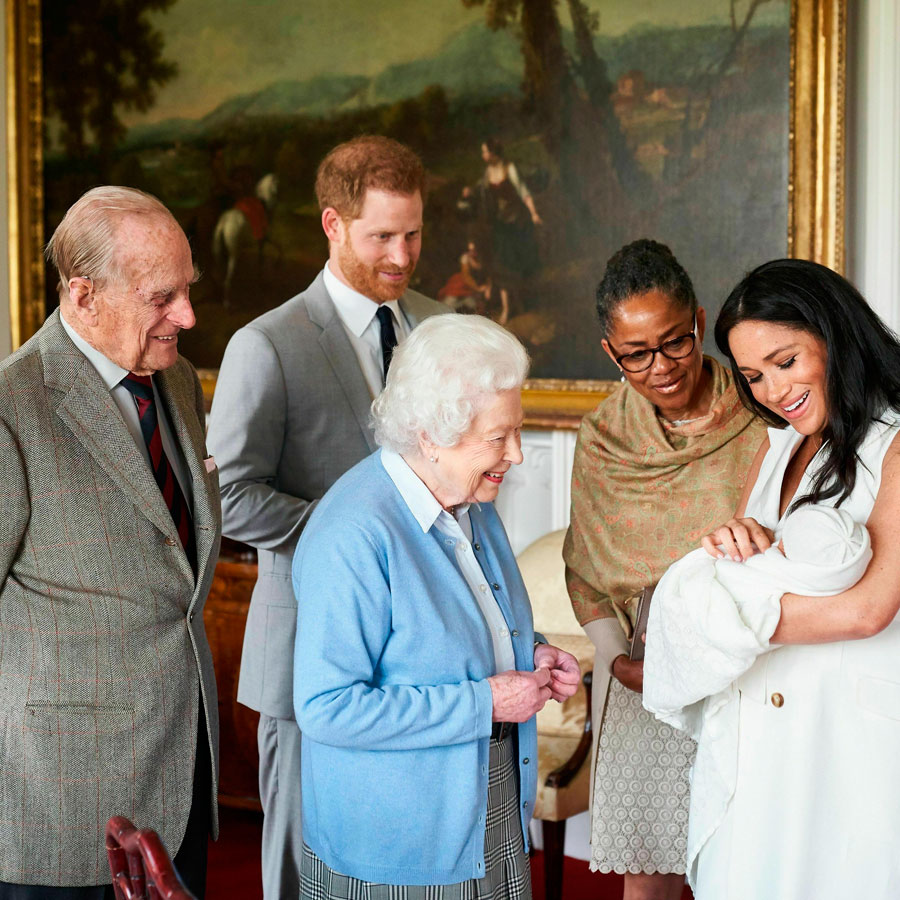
103, 655
289, 417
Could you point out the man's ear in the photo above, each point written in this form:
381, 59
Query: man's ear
333, 225
83, 299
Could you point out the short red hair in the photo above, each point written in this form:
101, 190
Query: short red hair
369, 161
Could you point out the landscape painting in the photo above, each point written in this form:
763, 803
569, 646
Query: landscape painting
553, 132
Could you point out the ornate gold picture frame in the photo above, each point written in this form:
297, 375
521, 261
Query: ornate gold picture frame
815, 176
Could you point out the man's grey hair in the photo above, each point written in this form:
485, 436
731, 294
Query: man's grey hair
441, 376
84, 242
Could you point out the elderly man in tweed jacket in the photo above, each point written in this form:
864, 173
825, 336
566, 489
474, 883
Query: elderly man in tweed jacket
108, 540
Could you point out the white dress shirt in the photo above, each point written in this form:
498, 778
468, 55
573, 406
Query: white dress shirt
457, 532
111, 375
357, 314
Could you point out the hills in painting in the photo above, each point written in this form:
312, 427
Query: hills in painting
475, 64
674, 132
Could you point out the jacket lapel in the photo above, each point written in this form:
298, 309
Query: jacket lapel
340, 354
177, 394
94, 419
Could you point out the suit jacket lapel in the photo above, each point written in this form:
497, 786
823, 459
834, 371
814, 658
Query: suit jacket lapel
340, 353
414, 308
94, 419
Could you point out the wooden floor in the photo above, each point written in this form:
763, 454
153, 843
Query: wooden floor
234, 866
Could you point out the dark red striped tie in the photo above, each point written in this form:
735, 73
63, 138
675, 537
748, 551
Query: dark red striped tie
142, 388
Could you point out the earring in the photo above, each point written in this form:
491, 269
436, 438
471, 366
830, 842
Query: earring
432, 458
623, 373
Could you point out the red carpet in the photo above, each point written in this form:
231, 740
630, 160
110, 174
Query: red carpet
234, 866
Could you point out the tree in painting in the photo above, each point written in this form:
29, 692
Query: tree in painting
105, 59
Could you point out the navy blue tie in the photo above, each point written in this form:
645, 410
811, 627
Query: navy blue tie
388, 336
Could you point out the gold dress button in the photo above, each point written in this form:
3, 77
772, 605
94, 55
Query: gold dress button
170, 542
777, 700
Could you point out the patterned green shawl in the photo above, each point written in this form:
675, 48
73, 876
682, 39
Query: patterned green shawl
644, 492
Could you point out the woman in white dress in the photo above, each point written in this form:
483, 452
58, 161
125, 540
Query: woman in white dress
816, 807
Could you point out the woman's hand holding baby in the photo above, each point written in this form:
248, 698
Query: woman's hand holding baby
738, 538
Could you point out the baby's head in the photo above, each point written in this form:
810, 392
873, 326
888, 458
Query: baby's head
822, 536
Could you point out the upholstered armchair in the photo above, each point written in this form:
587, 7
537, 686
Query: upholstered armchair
564, 730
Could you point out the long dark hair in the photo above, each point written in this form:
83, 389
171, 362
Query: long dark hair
862, 370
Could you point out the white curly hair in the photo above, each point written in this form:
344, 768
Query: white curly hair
441, 376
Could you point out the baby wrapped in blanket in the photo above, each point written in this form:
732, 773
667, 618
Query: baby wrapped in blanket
709, 621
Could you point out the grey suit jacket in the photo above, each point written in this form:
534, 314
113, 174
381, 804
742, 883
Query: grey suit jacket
290, 415
103, 655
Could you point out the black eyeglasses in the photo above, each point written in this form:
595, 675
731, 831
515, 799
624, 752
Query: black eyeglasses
675, 348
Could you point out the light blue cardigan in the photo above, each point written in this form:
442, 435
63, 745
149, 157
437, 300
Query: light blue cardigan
390, 666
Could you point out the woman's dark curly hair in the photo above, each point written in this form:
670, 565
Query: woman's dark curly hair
862, 369
637, 268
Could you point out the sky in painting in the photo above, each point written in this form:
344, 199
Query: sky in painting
228, 47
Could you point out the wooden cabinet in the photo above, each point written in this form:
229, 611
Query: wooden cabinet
225, 617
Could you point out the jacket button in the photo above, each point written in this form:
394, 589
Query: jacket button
526, 761
515, 633
777, 700
170, 542
190, 617
495, 586
477, 546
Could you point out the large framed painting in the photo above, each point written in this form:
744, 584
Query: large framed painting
554, 131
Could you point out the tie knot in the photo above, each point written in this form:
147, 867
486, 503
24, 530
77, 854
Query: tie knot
139, 385
385, 319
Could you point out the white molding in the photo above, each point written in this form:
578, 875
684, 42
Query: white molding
874, 155
534, 498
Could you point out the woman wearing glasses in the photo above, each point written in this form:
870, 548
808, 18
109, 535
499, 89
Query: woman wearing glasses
656, 466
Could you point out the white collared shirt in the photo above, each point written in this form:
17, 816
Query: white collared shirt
111, 375
456, 532
357, 314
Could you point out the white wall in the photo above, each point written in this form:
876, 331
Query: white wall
873, 154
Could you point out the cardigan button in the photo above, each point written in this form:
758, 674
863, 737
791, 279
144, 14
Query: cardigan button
170, 542
495, 586
777, 700
477, 546
515, 633
526, 761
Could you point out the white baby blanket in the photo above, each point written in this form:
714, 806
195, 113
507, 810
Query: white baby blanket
709, 621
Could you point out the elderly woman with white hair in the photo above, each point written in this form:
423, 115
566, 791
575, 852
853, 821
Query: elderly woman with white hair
417, 672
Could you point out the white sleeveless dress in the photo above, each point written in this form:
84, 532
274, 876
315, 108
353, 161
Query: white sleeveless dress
816, 808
